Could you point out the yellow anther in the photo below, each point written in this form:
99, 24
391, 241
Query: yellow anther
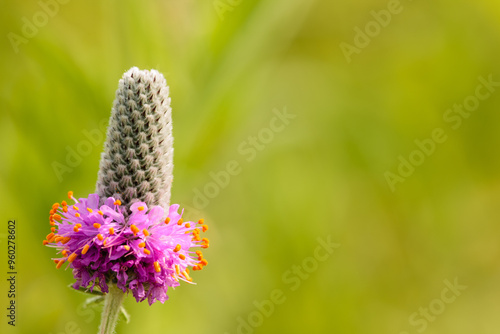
65, 209
204, 227
97, 225
66, 240
111, 231
146, 251
142, 245
75, 208
187, 225
117, 202
141, 208
89, 210
72, 257
177, 270
85, 249
145, 232
58, 238
57, 217
100, 237
201, 221
180, 222
63, 203
75, 228
100, 212
127, 247
157, 266
77, 215
167, 220
177, 248
70, 194
52, 223
182, 257
186, 275
204, 262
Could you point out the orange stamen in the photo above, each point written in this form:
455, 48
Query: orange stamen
177, 270
45, 242
157, 266
77, 215
111, 231
85, 249
180, 222
60, 263
63, 203
201, 221
146, 251
53, 229
134, 229
167, 220
141, 208
89, 210
177, 248
182, 257
75, 208
117, 202
57, 217
204, 227
72, 257
142, 245
66, 240
70, 194
100, 237
100, 212
145, 232
187, 225
65, 209
97, 225
127, 247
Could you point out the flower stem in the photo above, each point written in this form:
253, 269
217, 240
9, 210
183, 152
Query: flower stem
111, 310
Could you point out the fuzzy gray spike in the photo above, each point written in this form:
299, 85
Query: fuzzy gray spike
137, 162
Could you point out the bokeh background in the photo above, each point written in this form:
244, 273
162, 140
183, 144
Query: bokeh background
229, 64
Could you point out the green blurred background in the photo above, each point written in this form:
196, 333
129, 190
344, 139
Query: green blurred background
228, 67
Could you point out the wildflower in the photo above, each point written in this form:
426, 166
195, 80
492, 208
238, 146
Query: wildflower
140, 253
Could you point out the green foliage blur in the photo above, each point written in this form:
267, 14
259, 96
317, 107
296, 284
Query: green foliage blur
366, 84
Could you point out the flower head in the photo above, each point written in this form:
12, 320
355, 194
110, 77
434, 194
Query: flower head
143, 251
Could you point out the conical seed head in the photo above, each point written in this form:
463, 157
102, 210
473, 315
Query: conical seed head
137, 161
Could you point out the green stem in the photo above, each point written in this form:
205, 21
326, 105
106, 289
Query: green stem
111, 310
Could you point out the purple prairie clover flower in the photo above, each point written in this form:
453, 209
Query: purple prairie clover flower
144, 253
127, 237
